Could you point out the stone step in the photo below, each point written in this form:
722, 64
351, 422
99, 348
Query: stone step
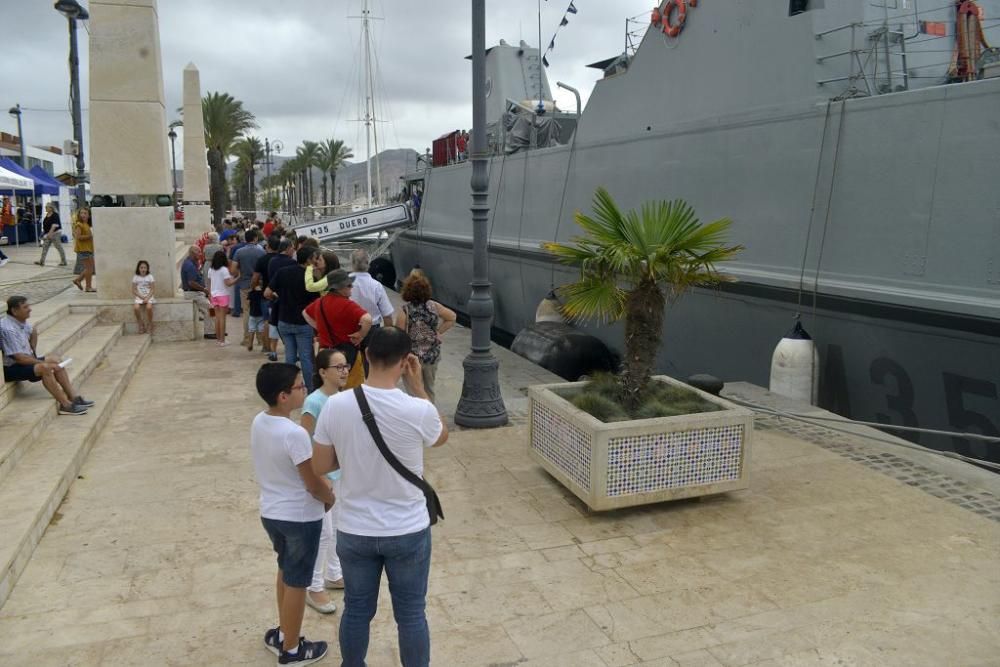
33, 409
31, 493
61, 331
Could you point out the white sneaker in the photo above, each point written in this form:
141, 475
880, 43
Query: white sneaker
4, 261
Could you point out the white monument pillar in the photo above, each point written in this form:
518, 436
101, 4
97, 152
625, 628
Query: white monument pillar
197, 211
129, 155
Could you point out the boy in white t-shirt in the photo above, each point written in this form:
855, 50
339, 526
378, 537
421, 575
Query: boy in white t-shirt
293, 500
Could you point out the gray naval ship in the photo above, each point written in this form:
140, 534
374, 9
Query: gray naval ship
855, 144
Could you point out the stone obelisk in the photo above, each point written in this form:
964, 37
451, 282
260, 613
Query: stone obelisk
197, 211
129, 154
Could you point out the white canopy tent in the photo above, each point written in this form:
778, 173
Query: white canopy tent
12, 183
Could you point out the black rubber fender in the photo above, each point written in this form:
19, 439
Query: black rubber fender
382, 270
564, 350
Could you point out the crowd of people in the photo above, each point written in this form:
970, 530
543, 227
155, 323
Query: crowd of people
341, 491
342, 496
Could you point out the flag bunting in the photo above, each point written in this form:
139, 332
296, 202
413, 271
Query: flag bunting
563, 22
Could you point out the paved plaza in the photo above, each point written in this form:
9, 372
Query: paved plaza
157, 555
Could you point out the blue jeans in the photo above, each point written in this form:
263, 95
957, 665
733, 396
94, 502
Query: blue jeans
236, 307
407, 563
298, 341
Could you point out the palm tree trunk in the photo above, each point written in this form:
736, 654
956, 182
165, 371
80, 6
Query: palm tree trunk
325, 200
253, 189
643, 327
217, 184
333, 186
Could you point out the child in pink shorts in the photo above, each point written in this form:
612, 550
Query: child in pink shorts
220, 283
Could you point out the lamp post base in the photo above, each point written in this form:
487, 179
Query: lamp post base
481, 405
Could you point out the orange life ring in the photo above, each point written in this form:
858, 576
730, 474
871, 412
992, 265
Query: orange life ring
674, 29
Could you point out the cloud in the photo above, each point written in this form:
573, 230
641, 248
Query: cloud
296, 64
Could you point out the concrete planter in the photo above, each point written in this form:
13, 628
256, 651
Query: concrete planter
643, 461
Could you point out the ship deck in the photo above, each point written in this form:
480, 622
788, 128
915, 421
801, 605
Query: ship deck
843, 551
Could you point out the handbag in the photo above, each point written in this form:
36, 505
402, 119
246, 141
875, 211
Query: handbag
433, 503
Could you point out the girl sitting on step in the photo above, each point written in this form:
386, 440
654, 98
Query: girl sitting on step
142, 290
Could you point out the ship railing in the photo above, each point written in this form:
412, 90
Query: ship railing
876, 45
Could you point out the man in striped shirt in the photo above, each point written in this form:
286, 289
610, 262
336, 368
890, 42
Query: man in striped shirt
370, 295
22, 364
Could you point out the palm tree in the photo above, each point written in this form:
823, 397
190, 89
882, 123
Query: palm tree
631, 264
309, 153
335, 154
225, 121
284, 176
250, 150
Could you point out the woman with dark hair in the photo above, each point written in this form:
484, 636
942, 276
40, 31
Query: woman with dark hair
220, 282
424, 321
330, 378
83, 246
323, 263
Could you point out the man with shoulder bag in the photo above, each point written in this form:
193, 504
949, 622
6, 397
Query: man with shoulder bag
376, 436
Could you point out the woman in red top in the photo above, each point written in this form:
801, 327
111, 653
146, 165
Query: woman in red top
340, 323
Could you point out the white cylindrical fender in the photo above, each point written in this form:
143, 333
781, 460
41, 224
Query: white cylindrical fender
548, 309
795, 366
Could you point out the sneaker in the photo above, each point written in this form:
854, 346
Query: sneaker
80, 400
63, 264
272, 642
39, 264
72, 409
4, 261
272, 356
210, 336
308, 653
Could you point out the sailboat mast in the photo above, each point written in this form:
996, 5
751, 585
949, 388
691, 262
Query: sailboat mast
368, 104
378, 169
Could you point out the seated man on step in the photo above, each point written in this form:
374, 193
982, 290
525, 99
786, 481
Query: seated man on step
21, 364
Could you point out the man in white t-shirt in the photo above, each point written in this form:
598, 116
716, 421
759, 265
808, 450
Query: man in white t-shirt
383, 519
293, 500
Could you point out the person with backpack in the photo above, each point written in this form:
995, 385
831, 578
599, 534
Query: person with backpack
424, 321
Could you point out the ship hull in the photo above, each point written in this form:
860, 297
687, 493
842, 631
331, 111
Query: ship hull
883, 210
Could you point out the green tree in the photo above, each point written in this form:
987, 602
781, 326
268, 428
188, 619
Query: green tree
250, 151
631, 264
308, 152
225, 121
335, 154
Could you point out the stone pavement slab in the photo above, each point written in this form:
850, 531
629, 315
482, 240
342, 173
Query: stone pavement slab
157, 556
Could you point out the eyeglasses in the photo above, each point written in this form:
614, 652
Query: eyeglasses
339, 367
301, 385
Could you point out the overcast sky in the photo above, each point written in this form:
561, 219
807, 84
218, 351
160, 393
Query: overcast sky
295, 64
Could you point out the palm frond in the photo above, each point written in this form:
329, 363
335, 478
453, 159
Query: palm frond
593, 297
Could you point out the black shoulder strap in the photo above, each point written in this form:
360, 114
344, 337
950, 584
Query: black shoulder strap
404, 472
326, 323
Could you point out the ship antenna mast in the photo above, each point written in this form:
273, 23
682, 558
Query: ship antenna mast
541, 106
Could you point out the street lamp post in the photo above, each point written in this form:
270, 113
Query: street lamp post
72, 10
481, 405
16, 111
173, 163
277, 146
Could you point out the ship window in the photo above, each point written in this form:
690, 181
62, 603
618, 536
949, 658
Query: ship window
800, 6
